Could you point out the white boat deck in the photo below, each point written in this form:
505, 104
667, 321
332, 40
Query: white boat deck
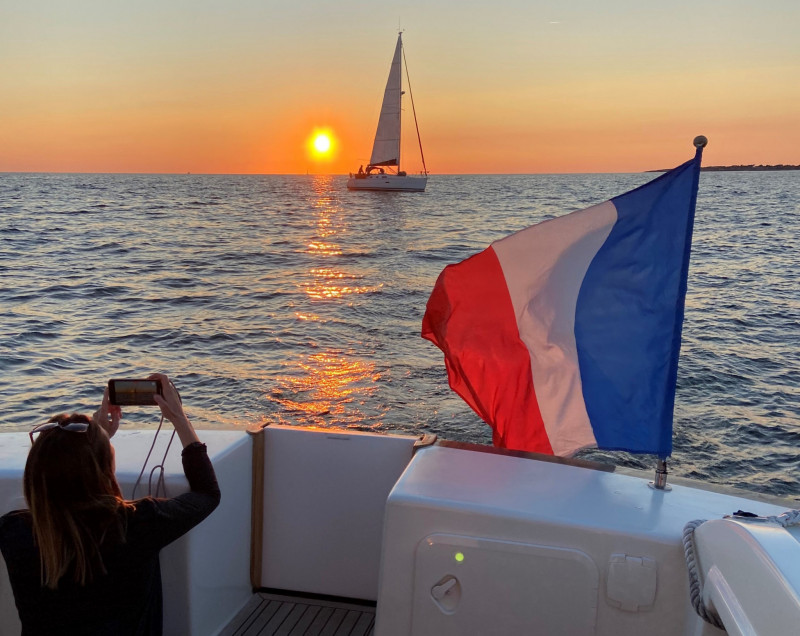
335, 508
280, 615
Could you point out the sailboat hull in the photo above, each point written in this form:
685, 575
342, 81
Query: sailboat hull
388, 183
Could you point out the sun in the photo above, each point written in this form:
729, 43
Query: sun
322, 145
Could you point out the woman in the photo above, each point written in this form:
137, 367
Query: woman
82, 560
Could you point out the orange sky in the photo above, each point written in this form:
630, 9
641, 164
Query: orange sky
515, 87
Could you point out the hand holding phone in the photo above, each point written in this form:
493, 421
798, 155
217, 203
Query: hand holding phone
108, 415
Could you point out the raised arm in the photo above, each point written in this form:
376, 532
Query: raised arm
172, 409
170, 518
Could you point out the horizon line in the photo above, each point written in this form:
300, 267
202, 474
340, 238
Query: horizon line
731, 168
316, 174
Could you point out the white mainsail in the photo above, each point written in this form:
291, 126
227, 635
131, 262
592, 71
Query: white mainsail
386, 149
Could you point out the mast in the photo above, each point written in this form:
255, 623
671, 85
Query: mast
400, 114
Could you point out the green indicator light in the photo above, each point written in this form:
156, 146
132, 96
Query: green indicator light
459, 556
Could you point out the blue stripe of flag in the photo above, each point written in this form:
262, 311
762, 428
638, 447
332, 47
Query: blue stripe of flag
629, 314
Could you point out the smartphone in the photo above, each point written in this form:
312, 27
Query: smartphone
126, 392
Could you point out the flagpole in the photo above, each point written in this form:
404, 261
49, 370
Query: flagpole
660, 481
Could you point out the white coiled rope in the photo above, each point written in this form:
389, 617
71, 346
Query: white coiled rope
785, 519
695, 588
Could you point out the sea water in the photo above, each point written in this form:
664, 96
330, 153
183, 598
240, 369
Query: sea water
288, 299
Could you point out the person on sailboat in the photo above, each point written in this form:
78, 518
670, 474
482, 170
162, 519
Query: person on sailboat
81, 559
361, 169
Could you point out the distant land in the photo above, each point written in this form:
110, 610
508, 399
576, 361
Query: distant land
748, 168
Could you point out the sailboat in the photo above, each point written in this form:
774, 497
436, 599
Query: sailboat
383, 171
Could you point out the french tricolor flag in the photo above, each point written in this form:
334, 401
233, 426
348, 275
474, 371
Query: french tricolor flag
566, 334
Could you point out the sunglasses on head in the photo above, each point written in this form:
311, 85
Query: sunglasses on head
72, 427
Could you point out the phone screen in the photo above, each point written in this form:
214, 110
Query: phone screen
133, 392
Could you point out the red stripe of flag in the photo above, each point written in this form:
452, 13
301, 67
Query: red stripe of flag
471, 319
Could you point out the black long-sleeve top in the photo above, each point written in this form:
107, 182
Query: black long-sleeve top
126, 600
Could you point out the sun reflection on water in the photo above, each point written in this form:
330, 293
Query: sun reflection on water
330, 283
327, 280
325, 389
327, 249
330, 386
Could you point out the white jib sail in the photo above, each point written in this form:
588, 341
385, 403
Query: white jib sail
386, 149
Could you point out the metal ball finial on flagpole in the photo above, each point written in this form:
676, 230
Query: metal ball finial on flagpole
701, 141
